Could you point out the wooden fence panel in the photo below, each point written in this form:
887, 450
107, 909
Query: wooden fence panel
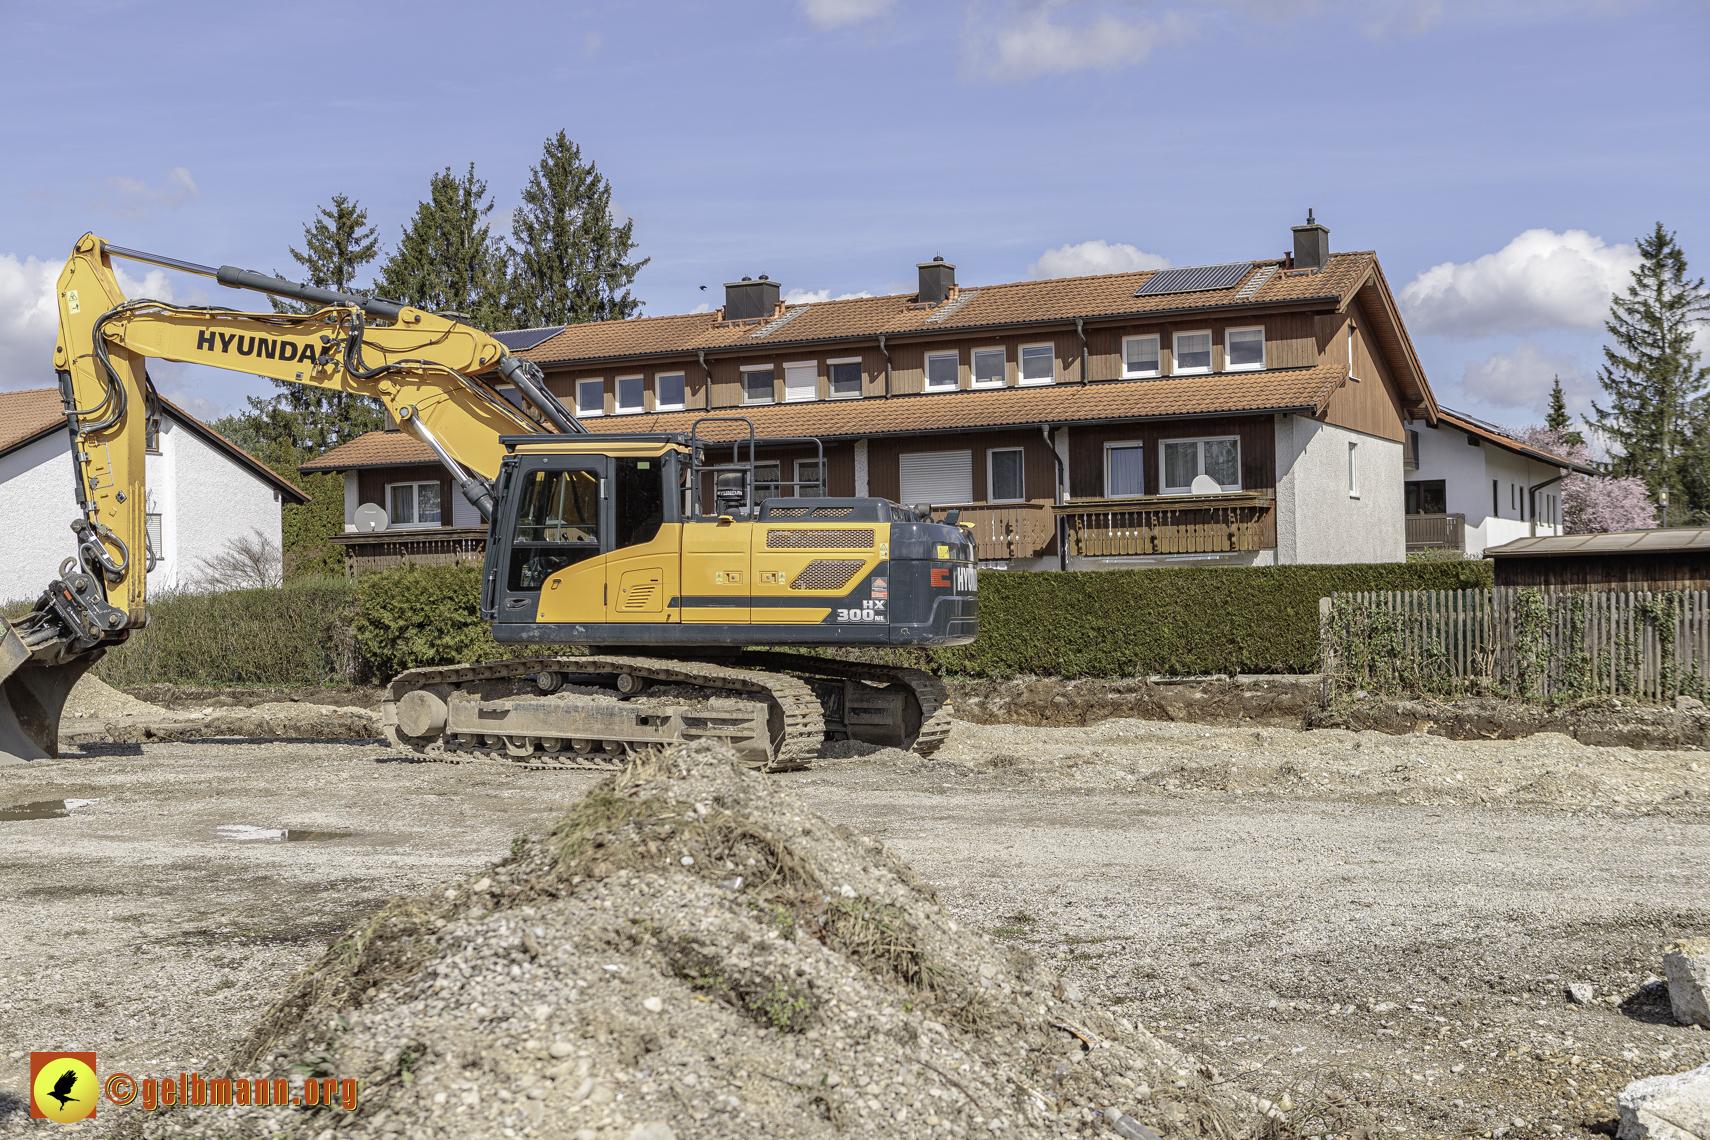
1651, 645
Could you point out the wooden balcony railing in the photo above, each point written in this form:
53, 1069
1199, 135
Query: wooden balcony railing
430, 546
1437, 532
1005, 530
1170, 524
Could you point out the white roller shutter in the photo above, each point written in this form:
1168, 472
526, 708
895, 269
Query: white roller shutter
801, 381
939, 477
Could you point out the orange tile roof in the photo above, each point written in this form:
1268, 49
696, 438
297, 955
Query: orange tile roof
1295, 389
373, 449
977, 306
27, 415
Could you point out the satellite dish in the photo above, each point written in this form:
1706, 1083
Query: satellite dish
1206, 485
371, 517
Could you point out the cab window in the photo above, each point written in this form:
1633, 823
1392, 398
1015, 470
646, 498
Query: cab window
558, 525
640, 500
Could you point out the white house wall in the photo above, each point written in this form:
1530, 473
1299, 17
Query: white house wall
1318, 521
208, 502
38, 504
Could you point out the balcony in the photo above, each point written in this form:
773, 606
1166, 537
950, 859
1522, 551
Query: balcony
1170, 524
1006, 530
368, 552
1436, 532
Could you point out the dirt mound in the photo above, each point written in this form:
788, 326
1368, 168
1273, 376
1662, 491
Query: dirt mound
1595, 721
1281, 701
92, 697
692, 952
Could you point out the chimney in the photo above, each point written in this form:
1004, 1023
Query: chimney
937, 279
748, 298
1311, 245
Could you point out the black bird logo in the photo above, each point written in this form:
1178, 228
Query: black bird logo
62, 1087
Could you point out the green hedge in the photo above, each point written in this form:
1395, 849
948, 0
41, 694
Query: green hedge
428, 615
299, 634
1124, 623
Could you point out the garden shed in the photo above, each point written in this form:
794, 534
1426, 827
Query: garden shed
1675, 558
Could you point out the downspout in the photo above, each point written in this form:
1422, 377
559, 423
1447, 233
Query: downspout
1079, 322
887, 353
1532, 498
1057, 519
707, 368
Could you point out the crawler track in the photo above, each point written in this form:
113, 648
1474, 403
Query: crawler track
796, 721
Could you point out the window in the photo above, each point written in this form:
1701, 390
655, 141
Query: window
941, 371
513, 397
1124, 470
1410, 457
640, 505
558, 517
939, 477
801, 381
668, 392
988, 367
845, 377
1140, 356
758, 385
1351, 375
1353, 471
1427, 497
1005, 482
629, 395
1038, 363
1193, 353
412, 504
151, 435
156, 537
1184, 460
1243, 349
1495, 502
766, 477
590, 397
807, 471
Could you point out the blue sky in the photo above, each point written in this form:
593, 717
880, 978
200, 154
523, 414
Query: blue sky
1501, 157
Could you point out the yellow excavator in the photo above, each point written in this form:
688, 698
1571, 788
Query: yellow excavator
649, 552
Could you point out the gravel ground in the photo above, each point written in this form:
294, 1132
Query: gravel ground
1358, 923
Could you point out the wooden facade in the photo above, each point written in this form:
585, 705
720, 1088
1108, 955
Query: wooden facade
1674, 570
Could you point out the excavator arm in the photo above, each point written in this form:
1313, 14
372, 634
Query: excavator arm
436, 374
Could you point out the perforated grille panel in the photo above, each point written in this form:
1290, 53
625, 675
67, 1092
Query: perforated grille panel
787, 512
819, 539
827, 574
639, 597
816, 512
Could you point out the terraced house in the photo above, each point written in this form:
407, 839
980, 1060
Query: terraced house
1250, 413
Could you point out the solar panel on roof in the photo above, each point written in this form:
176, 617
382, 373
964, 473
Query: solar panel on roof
520, 340
1194, 278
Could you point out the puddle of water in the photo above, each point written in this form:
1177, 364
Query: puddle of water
41, 809
243, 833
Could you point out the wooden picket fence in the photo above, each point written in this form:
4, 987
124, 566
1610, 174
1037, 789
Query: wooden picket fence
1520, 641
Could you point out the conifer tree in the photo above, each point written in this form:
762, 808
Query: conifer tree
571, 262
1558, 419
1657, 411
447, 259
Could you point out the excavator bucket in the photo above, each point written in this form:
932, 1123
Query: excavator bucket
32, 697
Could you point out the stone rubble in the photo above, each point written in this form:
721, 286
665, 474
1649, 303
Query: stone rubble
1688, 968
1671, 1107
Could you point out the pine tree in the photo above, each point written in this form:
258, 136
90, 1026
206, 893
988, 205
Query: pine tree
302, 421
1657, 410
1558, 419
447, 259
570, 262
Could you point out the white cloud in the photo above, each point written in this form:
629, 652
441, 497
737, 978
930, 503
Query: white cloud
703, 307
813, 297
1523, 379
29, 318
837, 13
135, 200
1091, 257
1540, 280
1024, 40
